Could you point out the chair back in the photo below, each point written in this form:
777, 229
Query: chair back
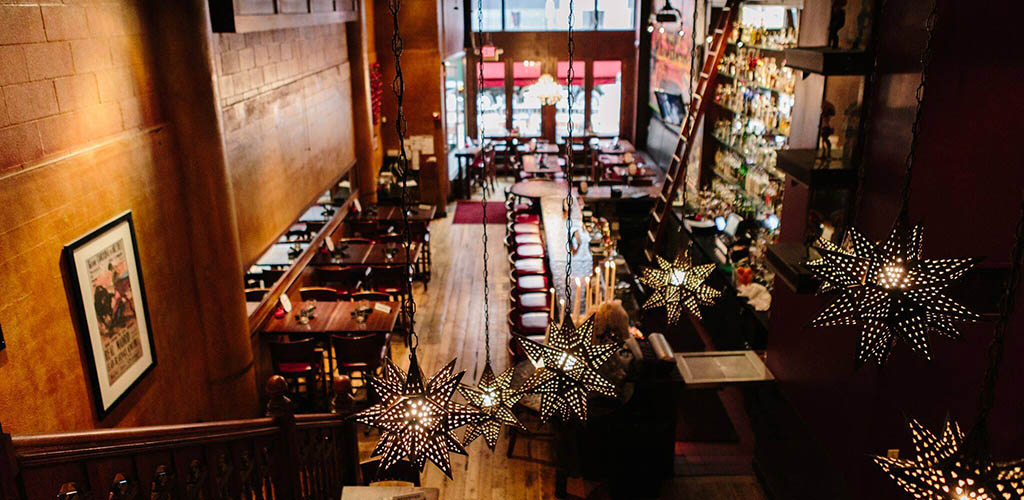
370, 296
390, 238
364, 228
302, 351
388, 278
256, 294
355, 240
342, 278
365, 349
319, 293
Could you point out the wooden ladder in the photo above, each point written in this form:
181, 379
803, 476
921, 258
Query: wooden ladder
675, 177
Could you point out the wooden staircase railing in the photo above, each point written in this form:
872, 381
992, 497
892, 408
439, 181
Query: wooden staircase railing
283, 456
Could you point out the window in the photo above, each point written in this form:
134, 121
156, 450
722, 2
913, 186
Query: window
578, 104
491, 101
615, 14
455, 99
491, 15
553, 15
526, 114
606, 97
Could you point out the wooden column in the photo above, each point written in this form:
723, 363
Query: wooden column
367, 166
547, 121
191, 104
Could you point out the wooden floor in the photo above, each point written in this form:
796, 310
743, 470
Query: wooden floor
449, 319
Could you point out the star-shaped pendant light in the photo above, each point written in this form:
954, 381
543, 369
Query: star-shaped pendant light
567, 369
942, 471
417, 421
678, 285
494, 398
890, 291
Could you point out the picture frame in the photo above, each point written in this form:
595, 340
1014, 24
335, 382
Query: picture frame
108, 301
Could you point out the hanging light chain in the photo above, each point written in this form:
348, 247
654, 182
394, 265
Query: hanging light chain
872, 85
401, 127
994, 355
479, 86
570, 75
926, 56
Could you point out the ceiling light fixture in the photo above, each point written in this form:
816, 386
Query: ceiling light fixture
678, 286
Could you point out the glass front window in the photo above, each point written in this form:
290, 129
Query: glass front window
455, 99
578, 104
526, 114
615, 14
491, 101
492, 15
606, 97
553, 15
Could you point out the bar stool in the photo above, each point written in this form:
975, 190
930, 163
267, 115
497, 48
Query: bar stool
527, 239
524, 228
528, 251
531, 302
527, 218
528, 266
529, 282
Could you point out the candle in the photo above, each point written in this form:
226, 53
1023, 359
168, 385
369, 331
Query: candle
561, 310
590, 296
576, 300
611, 280
551, 304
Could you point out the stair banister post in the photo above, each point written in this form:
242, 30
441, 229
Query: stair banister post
342, 405
279, 407
8, 468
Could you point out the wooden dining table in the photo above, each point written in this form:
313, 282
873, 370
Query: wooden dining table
621, 146
423, 213
336, 318
369, 254
537, 164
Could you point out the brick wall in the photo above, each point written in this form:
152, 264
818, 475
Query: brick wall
70, 74
286, 100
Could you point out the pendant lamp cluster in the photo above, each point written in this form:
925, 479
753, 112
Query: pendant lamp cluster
888, 289
493, 397
416, 420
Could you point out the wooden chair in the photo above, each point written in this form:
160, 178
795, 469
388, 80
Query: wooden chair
360, 354
256, 294
420, 232
319, 293
364, 228
299, 363
344, 279
354, 240
370, 296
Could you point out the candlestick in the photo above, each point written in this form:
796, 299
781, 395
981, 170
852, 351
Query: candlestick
590, 296
576, 301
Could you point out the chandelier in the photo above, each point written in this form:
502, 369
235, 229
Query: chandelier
545, 90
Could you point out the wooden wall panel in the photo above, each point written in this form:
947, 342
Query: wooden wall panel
286, 100
45, 388
248, 7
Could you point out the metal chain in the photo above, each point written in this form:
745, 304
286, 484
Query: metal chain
994, 355
401, 127
858, 196
694, 83
479, 89
570, 75
926, 57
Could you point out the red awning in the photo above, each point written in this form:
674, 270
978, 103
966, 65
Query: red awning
606, 72
524, 75
579, 68
494, 74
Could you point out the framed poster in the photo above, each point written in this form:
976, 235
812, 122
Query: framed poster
108, 298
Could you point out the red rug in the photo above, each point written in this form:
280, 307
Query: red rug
470, 212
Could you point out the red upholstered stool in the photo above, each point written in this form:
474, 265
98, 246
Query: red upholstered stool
529, 251
532, 302
523, 227
527, 239
529, 266
529, 323
527, 218
531, 283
